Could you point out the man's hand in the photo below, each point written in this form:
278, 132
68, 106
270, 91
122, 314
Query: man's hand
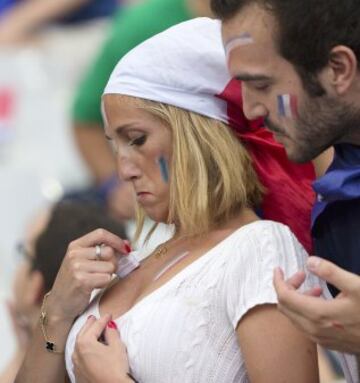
334, 324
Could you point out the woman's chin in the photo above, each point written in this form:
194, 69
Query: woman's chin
157, 217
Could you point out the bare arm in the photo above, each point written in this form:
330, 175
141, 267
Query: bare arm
274, 350
33, 369
9, 374
80, 273
32, 14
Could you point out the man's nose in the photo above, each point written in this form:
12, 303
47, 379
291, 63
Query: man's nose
253, 107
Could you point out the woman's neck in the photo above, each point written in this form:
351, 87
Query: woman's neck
244, 217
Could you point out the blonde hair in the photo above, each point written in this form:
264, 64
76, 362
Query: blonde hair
211, 173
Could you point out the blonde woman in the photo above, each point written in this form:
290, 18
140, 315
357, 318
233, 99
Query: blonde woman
201, 307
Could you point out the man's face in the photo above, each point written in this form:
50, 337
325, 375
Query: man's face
306, 125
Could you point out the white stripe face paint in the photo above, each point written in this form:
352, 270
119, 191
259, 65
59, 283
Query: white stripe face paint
244, 39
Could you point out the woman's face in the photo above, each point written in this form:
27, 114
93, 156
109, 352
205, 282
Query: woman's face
141, 142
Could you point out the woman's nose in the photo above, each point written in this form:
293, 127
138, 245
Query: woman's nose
128, 170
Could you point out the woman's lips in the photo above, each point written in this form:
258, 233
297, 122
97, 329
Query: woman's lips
143, 196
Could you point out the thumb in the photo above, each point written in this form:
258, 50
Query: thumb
333, 274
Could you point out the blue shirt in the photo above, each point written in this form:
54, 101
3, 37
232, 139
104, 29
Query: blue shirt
94, 9
336, 214
6, 4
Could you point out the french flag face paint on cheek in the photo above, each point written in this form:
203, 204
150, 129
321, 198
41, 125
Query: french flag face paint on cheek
164, 169
287, 106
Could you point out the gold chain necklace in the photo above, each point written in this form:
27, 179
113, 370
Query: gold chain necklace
160, 251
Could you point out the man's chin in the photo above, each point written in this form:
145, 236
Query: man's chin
292, 152
299, 155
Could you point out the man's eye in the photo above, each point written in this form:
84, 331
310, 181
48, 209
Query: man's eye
261, 86
138, 141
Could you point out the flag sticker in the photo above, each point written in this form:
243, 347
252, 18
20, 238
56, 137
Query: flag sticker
287, 106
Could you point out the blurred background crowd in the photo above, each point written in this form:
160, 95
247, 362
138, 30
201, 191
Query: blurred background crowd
46, 50
55, 58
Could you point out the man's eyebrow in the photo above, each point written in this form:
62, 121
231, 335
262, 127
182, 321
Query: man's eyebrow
252, 77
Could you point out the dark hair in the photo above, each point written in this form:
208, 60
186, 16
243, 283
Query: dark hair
68, 221
307, 30
226, 9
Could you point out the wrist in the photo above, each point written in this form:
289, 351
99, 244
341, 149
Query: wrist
53, 328
56, 313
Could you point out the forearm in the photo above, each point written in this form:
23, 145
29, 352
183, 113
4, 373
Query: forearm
95, 150
9, 374
40, 365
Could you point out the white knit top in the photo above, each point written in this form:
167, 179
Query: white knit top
184, 332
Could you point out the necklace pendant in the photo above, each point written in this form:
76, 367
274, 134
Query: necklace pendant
160, 252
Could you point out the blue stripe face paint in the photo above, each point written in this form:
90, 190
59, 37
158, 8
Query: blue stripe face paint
164, 169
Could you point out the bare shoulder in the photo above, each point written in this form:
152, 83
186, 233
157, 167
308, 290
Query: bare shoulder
274, 350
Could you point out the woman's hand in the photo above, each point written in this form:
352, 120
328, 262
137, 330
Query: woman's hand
82, 271
100, 361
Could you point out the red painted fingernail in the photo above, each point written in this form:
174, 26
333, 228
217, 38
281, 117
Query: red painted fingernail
338, 325
112, 324
127, 248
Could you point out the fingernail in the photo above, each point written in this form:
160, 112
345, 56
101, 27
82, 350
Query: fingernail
313, 263
127, 248
338, 325
278, 272
90, 317
112, 324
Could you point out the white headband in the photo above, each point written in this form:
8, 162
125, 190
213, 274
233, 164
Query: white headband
184, 66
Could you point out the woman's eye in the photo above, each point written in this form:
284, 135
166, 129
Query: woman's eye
138, 141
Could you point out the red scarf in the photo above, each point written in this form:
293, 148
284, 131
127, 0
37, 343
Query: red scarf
289, 196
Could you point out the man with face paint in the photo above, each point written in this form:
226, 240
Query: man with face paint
299, 66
